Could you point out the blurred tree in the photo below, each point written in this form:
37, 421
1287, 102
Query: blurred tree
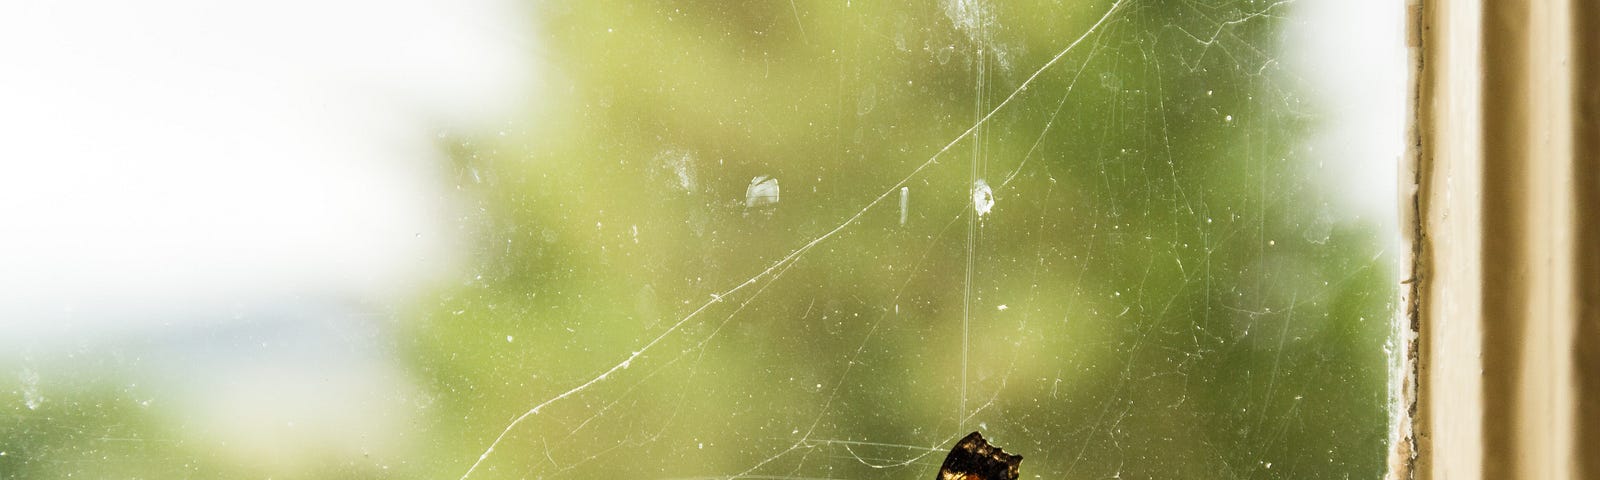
1161, 289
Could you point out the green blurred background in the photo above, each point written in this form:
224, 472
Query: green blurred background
1164, 287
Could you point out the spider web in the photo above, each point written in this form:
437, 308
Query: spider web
826, 241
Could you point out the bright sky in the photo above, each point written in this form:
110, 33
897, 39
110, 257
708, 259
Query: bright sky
1352, 56
224, 195
170, 155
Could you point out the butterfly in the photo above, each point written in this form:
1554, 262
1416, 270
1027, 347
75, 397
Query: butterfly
974, 459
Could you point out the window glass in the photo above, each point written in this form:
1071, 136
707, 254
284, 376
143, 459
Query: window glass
650, 239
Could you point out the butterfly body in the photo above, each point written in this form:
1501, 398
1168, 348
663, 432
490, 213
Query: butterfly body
974, 459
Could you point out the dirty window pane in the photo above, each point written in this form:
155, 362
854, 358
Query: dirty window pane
649, 239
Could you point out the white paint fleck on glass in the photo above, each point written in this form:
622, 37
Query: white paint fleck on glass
982, 197
762, 193
905, 203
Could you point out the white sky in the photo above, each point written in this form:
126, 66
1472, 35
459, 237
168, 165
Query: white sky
1352, 54
162, 155
228, 189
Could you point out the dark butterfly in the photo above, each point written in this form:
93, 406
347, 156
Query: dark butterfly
974, 459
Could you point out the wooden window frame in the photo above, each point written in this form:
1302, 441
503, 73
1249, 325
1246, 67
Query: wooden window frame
1502, 367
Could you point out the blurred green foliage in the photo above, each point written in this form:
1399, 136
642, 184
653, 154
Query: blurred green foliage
1161, 290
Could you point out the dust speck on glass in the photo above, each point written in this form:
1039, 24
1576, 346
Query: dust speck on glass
1122, 238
